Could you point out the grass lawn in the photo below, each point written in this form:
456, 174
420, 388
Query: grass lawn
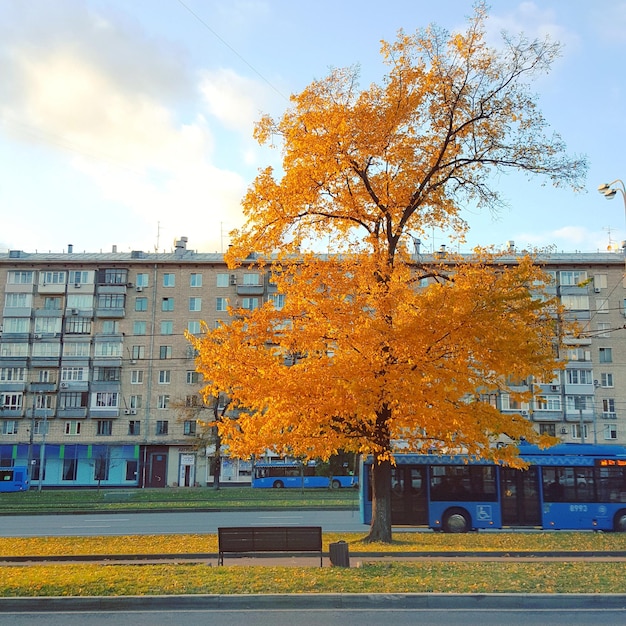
389, 577
227, 498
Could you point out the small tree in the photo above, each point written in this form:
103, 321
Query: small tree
390, 347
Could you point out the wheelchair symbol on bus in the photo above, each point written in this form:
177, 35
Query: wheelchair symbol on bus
483, 512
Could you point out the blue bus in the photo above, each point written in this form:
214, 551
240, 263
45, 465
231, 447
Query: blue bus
567, 486
13, 479
288, 474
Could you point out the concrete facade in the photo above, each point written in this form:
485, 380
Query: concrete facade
95, 369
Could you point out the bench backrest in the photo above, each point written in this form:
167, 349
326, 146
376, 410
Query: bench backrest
268, 538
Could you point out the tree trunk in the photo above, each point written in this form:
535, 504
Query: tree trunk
380, 528
217, 463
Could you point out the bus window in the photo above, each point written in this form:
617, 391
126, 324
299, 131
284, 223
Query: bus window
464, 483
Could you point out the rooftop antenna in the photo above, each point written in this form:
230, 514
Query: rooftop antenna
156, 248
609, 230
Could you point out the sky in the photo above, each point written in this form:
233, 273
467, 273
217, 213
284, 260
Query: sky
129, 123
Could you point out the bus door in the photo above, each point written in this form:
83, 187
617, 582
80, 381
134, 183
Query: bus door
519, 497
409, 503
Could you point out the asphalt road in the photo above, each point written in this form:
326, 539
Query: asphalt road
93, 524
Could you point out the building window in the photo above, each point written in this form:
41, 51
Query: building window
249, 303
603, 329
111, 301
251, 279
139, 328
52, 278
575, 302
600, 281
72, 428
579, 377
547, 429
163, 401
165, 352
602, 305
608, 408
164, 377
20, 278
106, 399
137, 352
169, 280
76, 349
193, 400
167, 304
108, 348
113, 276
278, 300
74, 374
13, 375
195, 280
194, 327
162, 427
105, 427
136, 377
10, 401
606, 355
51, 304
606, 379
193, 377
134, 427
141, 304
221, 304
189, 427
107, 374
43, 401
41, 427
77, 325
222, 280
572, 277
73, 400
9, 427
195, 304
576, 431
131, 470
69, 469
548, 403
21, 325
610, 431
101, 467
167, 327
141, 280
135, 402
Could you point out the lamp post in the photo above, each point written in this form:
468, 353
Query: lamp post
610, 190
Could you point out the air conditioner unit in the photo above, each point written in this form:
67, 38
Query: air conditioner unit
126, 411
554, 387
74, 311
596, 289
64, 385
133, 411
130, 285
133, 361
76, 285
524, 412
38, 336
233, 279
563, 430
139, 289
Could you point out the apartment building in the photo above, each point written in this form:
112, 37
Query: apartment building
97, 378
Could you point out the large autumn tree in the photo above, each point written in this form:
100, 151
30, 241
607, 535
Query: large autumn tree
374, 347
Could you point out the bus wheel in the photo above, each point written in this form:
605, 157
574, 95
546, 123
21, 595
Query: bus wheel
335, 484
619, 523
278, 484
456, 521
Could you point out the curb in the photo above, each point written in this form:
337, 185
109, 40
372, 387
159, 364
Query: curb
316, 601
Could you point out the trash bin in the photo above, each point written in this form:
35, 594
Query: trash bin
339, 556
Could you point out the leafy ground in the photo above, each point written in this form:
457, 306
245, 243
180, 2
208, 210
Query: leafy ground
403, 542
435, 577
505, 576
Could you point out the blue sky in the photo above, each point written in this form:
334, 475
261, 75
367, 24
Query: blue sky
129, 122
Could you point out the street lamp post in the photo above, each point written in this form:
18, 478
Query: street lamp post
610, 190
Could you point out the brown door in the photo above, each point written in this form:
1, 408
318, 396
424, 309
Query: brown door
157, 470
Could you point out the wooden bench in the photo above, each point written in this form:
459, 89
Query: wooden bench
253, 539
